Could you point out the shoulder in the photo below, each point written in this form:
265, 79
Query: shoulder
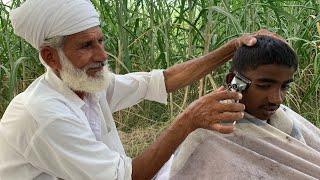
297, 118
32, 110
29, 106
45, 103
302, 123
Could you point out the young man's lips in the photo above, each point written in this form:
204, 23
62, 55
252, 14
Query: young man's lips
270, 109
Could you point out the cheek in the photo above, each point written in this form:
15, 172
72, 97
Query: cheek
81, 60
252, 99
248, 100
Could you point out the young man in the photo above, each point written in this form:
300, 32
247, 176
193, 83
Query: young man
271, 141
61, 126
269, 66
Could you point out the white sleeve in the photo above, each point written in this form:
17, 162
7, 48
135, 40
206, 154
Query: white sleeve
129, 89
67, 149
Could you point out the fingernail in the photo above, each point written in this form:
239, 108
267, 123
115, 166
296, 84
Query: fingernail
234, 123
252, 41
240, 95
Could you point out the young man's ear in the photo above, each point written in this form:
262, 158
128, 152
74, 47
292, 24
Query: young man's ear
51, 57
229, 77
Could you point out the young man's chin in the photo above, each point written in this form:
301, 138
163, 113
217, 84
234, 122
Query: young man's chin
264, 114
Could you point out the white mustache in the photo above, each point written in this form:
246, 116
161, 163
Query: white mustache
95, 65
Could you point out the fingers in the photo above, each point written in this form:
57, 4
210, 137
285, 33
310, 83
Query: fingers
229, 116
250, 40
246, 39
209, 110
223, 95
265, 32
222, 128
226, 129
231, 107
220, 89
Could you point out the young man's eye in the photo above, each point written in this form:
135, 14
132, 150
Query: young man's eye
285, 87
263, 86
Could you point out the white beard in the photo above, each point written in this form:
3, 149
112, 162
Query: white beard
78, 80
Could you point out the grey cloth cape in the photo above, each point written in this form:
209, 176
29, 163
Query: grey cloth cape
287, 148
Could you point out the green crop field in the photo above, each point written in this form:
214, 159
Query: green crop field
142, 35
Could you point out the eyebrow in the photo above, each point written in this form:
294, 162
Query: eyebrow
272, 80
81, 42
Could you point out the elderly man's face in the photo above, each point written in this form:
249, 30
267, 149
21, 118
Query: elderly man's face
267, 90
82, 61
86, 48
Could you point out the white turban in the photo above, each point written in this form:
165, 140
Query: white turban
37, 20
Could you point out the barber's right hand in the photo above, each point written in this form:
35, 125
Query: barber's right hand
265, 32
208, 111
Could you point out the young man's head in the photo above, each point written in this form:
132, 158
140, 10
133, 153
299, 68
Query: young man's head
269, 65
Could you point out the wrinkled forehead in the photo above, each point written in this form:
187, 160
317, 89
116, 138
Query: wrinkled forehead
89, 35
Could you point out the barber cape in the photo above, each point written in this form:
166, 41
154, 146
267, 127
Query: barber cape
287, 148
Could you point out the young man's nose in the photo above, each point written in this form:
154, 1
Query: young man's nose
276, 97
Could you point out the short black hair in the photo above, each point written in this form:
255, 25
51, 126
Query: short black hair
267, 50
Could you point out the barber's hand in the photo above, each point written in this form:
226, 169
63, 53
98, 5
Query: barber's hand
208, 111
246, 39
226, 51
265, 32
250, 40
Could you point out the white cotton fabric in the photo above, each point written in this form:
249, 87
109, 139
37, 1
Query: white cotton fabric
45, 133
37, 20
93, 112
287, 148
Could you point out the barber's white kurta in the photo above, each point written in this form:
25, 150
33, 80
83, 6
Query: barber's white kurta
45, 133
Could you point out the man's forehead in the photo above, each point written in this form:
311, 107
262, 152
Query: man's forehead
270, 73
273, 80
91, 33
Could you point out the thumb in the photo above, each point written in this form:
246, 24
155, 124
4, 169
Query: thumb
220, 89
225, 129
